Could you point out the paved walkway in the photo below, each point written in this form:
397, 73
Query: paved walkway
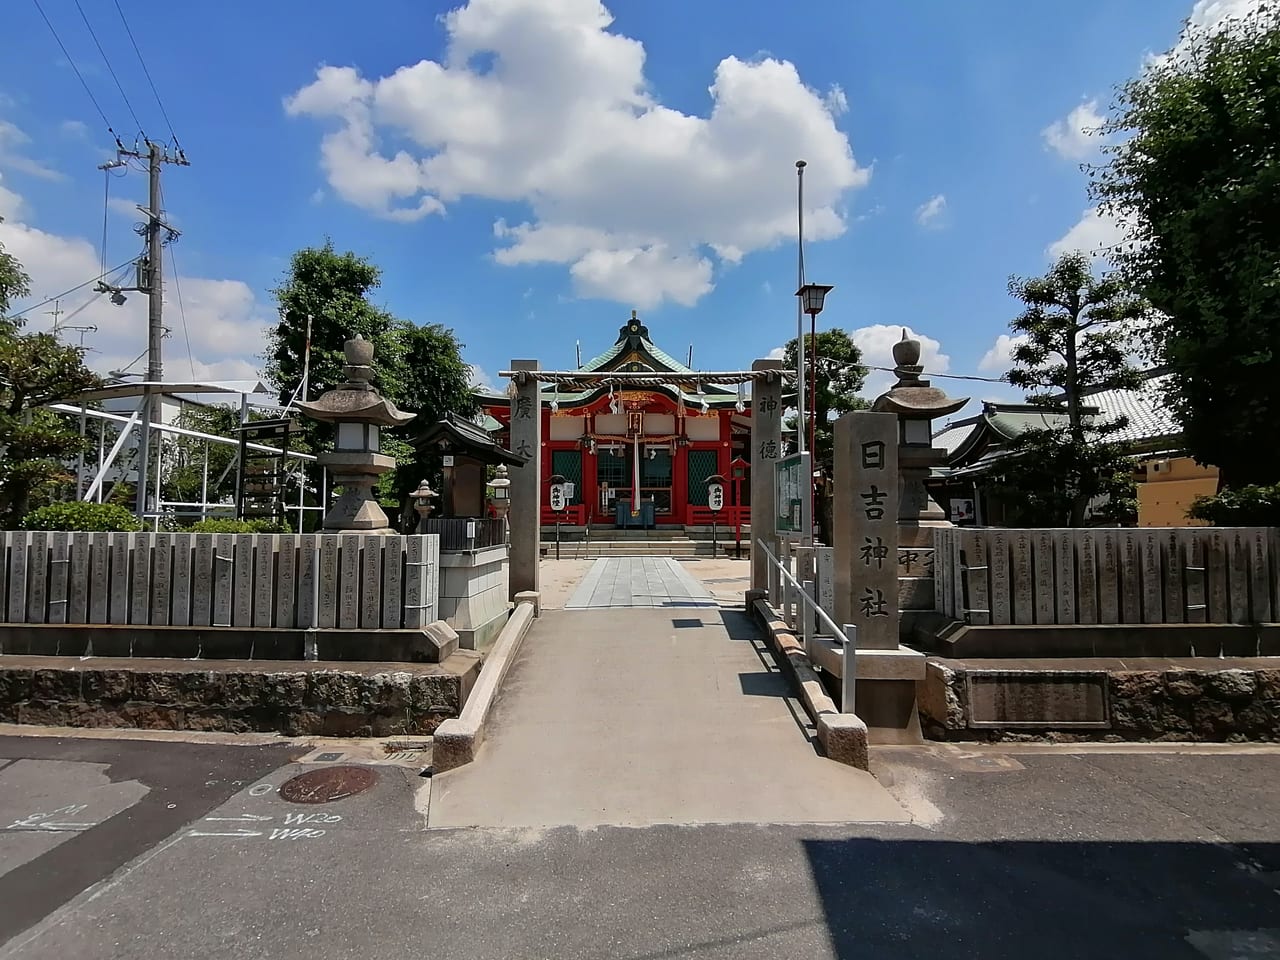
633, 717
639, 582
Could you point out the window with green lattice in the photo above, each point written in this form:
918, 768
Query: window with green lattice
568, 463
702, 464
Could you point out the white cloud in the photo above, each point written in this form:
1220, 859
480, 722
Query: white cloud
999, 358
76, 129
481, 380
537, 102
1074, 137
125, 207
224, 319
876, 343
10, 202
777, 353
836, 101
1209, 16
1094, 234
13, 143
929, 214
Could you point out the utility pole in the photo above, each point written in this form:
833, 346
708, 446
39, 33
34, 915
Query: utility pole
150, 280
56, 312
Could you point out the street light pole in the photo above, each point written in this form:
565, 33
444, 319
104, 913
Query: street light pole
800, 165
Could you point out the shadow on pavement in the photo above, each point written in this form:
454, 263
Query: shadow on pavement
1019, 899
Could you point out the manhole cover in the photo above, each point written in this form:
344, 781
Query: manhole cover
327, 785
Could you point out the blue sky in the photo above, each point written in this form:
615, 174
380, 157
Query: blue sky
527, 171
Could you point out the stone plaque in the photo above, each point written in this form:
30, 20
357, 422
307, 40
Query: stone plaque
766, 440
825, 558
999, 577
1064, 575
264, 579
1130, 576
371, 582
180, 614
1108, 576
392, 578
1038, 698
1042, 562
1260, 575
1022, 583
1152, 596
526, 480
161, 578
287, 580
866, 526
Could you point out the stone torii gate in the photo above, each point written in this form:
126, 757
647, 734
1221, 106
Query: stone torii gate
527, 376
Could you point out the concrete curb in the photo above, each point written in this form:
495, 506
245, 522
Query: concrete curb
456, 741
843, 735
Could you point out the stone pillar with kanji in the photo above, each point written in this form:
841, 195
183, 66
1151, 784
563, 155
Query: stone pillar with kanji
525, 515
766, 451
866, 527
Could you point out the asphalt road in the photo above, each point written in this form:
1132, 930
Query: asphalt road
170, 850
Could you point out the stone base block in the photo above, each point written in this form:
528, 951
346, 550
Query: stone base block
844, 738
307, 698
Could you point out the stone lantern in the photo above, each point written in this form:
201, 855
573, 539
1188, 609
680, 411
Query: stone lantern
422, 498
355, 463
500, 495
917, 404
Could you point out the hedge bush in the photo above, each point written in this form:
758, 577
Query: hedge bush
229, 525
79, 515
1251, 506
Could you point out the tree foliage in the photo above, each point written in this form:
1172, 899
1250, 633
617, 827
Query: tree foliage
35, 369
420, 369
1074, 335
838, 377
1194, 178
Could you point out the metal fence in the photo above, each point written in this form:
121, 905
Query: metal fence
801, 608
1108, 575
364, 581
460, 533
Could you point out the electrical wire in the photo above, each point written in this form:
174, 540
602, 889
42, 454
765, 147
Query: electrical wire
58, 296
79, 75
110, 69
182, 311
147, 74
106, 206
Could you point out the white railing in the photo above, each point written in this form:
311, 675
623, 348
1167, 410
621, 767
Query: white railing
809, 612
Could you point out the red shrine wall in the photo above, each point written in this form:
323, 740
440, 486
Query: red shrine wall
596, 450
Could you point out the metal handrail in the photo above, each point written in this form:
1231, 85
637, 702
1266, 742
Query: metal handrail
848, 637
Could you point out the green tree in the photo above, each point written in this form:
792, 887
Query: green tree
332, 289
838, 376
35, 369
1194, 177
419, 369
1074, 334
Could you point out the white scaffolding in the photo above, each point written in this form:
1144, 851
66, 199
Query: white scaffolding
92, 480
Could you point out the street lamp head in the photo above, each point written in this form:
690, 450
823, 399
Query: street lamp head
812, 296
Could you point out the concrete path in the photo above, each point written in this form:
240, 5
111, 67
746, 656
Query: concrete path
638, 582
646, 716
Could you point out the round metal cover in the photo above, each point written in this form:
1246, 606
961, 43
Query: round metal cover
327, 785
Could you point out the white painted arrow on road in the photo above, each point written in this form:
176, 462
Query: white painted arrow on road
229, 833
243, 818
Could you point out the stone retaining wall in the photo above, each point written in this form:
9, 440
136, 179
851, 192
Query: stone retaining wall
296, 699
1220, 701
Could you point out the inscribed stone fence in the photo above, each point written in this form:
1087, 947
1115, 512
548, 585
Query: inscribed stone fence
1108, 575
366, 582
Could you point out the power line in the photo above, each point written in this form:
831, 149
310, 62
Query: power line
79, 75
110, 69
182, 311
101, 276
147, 73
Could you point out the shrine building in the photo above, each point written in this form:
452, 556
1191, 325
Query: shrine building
637, 455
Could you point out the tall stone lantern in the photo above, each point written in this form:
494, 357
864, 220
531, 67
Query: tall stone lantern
355, 463
917, 404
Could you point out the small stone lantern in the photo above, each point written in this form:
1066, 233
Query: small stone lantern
500, 497
359, 412
422, 498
